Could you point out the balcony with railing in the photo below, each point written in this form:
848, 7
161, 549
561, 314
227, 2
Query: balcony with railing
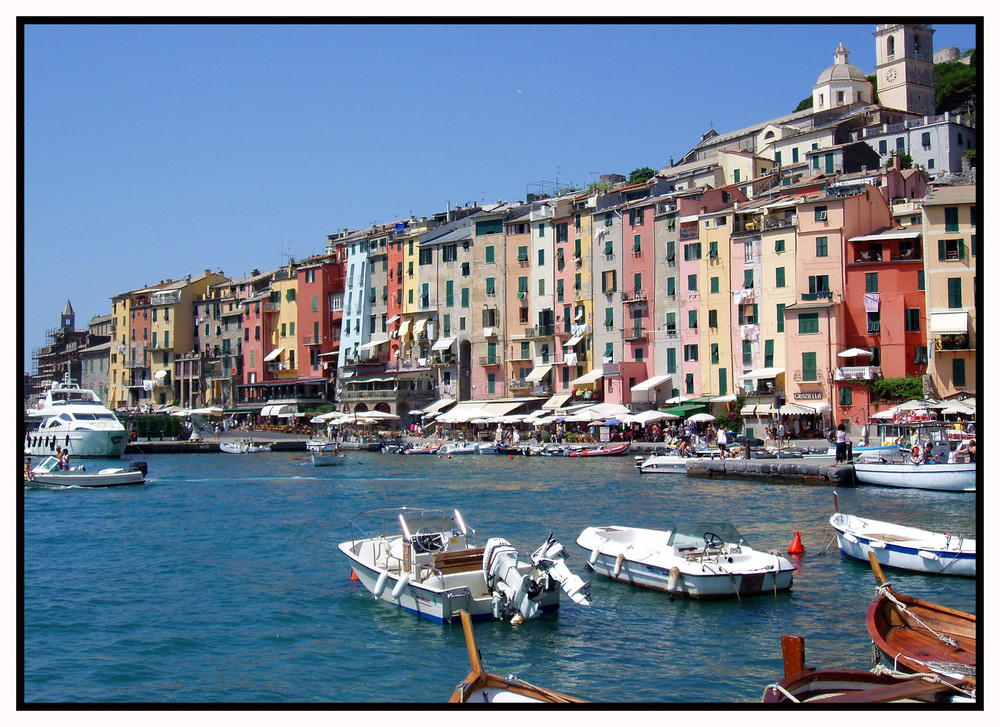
488, 361
689, 233
907, 254
857, 373
745, 227
635, 333
776, 222
818, 295
540, 331
634, 296
167, 298
953, 342
443, 359
807, 376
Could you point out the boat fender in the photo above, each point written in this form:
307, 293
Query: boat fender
619, 562
673, 578
915, 455
594, 555
398, 589
927, 555
876, 544
850, 538
383, 578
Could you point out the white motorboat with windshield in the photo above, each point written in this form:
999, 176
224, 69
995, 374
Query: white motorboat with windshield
427, 562
921, 461
245, 446
697, 560
75, 419
47, 472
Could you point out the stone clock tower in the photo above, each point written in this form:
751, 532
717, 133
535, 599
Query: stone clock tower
904, 64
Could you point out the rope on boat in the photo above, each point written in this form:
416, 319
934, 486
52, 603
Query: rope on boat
885, 590
778, 688
882, 670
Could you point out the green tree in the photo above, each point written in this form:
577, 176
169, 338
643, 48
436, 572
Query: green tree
643, 174
899, 389
955, 86
806, 103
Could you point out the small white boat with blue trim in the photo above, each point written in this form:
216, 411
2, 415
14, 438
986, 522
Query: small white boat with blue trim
245, 446
696, 560
663, 464
427, 562
905, 547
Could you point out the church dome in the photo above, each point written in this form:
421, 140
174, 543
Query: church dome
841, 70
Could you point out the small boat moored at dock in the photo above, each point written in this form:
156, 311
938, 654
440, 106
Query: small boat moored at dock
663, 463
605, 450
697, 560
244, 447
324, 459
904, 547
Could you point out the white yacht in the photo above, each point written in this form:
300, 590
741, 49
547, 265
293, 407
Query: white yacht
74, 419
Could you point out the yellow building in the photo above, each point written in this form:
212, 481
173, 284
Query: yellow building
950, 279
280, 361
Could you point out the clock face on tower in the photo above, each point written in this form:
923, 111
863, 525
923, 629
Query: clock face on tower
890, 75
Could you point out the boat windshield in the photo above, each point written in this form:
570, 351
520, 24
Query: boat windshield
49, 464
430, 521
687, 534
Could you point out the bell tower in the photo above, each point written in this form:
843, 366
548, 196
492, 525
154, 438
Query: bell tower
904, 65
67, 321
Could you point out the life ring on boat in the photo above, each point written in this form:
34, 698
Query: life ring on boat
915, 454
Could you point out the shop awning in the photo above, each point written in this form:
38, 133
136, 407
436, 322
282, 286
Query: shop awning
372, 345
501, 408
557, 401
274, 410
438, 405
957, 322
573, 341
589, 378
793, 408
443, 344
748, 410
685, 410
392, 320
765, 373
764, 409
420, 325
274, 354
537, 374
651, 383
404, 328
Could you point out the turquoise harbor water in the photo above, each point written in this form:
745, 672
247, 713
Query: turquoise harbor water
220, 581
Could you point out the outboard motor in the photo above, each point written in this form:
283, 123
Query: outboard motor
551, 560
141, 466
513, 593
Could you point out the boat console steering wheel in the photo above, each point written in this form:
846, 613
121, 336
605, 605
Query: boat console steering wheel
426, 541
713, 541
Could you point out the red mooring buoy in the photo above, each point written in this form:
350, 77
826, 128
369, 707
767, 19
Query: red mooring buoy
796, 547
354, 576
512, 456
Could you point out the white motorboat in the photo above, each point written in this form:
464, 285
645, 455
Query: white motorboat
663, 463
244, 447
74, 419
921, 476
320, 445
47, 472
697, 560
429, 564
901, 546
324, 459
456, 448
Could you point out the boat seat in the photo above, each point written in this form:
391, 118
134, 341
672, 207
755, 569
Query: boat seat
457, 561
887, 537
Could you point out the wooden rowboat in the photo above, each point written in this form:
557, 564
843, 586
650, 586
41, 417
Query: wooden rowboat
921, 637
851, 686
481, 686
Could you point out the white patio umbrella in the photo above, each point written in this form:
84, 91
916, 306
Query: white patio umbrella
317, 420
852, 352
377, 415
647, 417
701, 417
887, 414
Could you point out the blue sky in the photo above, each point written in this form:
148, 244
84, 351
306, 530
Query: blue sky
154, 151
